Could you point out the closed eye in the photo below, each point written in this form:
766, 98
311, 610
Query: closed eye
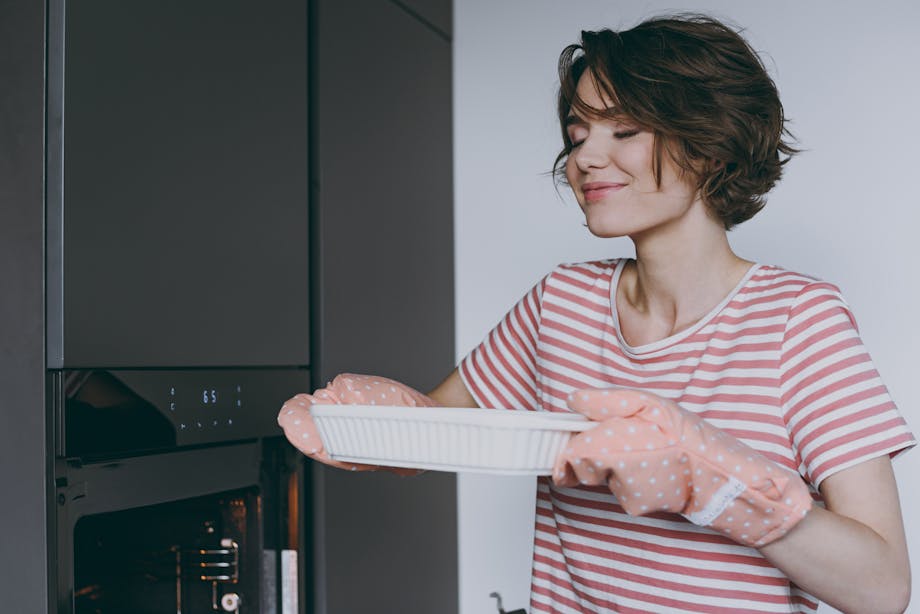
577, 133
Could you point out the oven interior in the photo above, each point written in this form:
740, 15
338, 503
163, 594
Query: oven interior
196, 555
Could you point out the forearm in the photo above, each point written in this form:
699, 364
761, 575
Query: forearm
452, 392
844, 563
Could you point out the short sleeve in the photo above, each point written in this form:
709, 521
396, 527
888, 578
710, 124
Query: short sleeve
837, 410
501, 371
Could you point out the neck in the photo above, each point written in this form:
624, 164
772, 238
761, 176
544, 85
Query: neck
682, 271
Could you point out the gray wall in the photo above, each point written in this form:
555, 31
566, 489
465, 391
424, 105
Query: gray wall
846, 210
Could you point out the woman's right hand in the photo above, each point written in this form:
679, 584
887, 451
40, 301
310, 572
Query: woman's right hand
345, 389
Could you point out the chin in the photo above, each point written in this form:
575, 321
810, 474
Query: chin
607, 230
608, 234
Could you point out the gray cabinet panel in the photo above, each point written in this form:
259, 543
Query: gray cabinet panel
383, 194
383, 248
24, 455
183, 185
390, 543
438, 13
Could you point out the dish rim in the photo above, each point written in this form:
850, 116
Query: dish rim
471, 416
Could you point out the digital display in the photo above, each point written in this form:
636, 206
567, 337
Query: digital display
208, 396
220, 397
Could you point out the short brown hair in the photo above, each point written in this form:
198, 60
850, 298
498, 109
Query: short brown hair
704, 93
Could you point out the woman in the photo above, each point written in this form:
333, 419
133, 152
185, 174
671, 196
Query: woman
673, 133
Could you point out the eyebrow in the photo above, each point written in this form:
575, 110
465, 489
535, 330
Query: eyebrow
611, 112
572, 119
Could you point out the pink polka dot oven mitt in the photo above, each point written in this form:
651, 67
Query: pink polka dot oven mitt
655, 456
345, 389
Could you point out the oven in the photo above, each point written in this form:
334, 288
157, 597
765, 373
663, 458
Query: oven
172, 496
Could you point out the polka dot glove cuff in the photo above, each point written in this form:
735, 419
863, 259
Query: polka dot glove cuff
345, 389
655, 456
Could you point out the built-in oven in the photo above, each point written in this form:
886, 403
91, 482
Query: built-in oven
178, 312
174, 493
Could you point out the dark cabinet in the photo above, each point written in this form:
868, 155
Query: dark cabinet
25, 456
383, 251
177, 184
373, 274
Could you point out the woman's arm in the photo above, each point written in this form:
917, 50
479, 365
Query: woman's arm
852, 555
452, 392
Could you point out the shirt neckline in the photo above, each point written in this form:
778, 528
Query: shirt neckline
648, 348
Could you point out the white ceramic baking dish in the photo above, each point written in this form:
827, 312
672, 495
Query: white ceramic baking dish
458, 439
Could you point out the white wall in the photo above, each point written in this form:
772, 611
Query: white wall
846, 210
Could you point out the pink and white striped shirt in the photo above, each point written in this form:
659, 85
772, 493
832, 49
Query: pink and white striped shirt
778, 364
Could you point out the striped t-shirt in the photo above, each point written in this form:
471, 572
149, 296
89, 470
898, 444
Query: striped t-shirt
778, 364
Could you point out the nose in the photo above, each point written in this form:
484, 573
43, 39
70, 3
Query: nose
590, 154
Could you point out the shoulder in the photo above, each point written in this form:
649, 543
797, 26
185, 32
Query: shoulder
805, 301
774, 279
575, 279
581, 287
586, 271
790, 288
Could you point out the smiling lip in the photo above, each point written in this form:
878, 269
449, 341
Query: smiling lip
598, 190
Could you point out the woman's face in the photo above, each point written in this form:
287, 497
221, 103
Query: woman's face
610, 171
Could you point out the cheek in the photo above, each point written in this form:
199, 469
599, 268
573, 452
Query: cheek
571, 172
636, 160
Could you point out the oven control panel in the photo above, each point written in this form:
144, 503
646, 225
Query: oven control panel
117, 412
